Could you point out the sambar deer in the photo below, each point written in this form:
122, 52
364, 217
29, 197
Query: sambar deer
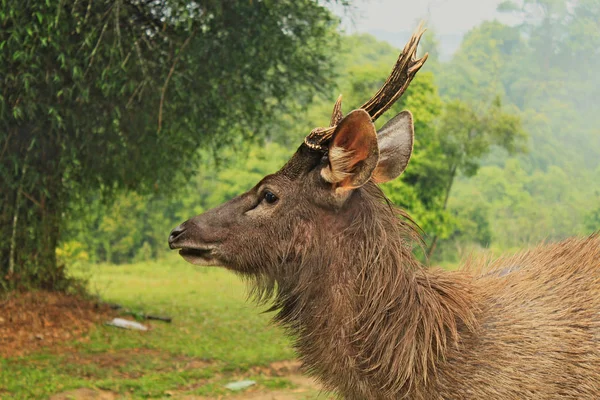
323, 243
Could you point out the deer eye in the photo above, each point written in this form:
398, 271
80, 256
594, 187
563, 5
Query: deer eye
270, 197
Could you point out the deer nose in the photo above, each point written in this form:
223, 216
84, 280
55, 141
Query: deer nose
175, 234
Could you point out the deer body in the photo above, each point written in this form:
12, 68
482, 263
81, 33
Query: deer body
538, 328
532, 332
321, 242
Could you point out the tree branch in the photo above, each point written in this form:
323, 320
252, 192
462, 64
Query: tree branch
6, 144
118, 26
95, 49
137, 89
164, 88
13, 236
433, 244
32, 199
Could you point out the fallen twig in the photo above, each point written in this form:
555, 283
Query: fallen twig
164, 318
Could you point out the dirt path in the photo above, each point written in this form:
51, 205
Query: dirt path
305, 389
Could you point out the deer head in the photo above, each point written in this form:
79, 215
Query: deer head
300, 211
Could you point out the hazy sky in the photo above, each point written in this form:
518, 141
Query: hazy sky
445, 16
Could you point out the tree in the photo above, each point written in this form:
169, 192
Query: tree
107, 95
465, 135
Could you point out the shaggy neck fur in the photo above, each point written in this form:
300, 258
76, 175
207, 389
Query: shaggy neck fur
369, 319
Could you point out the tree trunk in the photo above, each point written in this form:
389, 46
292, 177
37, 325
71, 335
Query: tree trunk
34, 255
6, 214
17, 207
434, 241
30, 215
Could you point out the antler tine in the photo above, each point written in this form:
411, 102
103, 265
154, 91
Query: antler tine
403, 73
337, 115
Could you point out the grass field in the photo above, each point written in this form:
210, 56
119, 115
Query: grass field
215, 337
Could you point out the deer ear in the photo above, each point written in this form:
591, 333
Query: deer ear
395, 141
353, 151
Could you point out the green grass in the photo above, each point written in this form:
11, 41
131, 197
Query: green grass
215, 337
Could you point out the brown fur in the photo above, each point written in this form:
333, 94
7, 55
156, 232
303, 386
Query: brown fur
382, 326
378, 325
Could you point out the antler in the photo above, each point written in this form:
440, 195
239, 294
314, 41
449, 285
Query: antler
402, 74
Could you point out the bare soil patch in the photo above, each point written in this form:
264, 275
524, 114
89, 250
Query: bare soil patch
305, 389
120, 362
279, 368
305, 386
111, 359
85, 394
30, 321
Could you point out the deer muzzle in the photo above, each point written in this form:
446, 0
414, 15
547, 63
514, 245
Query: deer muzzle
185, 238
200, 239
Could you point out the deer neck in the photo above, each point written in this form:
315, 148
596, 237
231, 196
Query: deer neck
376, 308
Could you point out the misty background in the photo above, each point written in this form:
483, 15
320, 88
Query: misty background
392, 21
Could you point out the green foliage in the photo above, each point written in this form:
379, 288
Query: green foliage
467, 134
592, 223
148, 218
524, 209
101, 96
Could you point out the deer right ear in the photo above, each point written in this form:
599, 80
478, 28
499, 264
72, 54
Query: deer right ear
353, 151
395, 141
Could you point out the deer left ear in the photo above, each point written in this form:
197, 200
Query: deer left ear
395, 141
353, 151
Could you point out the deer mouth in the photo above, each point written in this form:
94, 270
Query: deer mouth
200, 256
